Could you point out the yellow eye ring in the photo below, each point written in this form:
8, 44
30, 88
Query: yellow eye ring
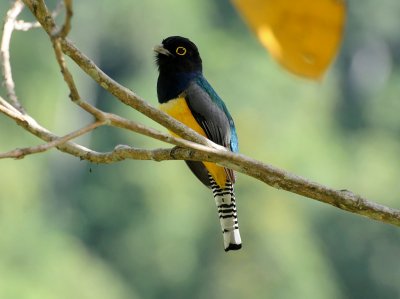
180, 51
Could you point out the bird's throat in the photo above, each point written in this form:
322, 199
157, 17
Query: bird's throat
171, 85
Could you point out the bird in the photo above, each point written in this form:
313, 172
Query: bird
184, 93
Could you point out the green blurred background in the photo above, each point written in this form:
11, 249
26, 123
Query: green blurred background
71, 229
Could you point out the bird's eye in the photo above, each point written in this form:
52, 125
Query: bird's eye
180, 51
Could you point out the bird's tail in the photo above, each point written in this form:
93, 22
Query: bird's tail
226, 205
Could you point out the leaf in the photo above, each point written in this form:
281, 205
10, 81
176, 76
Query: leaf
303, 35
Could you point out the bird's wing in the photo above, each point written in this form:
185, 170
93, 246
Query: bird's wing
211, 114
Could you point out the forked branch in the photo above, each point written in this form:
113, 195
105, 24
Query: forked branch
191, 146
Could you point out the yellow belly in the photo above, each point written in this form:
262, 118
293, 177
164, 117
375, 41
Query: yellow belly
179, 110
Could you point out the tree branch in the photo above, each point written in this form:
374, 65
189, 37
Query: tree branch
275, 177
20, 153
193, 147
8, 28
63, 32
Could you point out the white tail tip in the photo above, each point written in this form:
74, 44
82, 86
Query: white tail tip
226, 205
232, 240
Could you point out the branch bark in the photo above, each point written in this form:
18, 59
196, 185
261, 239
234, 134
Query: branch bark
191, 146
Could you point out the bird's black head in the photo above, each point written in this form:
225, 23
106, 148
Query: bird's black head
177, 54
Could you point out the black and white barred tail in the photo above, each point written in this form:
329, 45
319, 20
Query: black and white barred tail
226, 205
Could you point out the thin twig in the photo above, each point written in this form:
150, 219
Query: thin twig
66, 27
7, 105
25, 26
31, 125
8, 28
10, 111
74, 94
20, 153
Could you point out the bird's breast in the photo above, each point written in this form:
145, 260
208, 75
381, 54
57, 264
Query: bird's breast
179, 109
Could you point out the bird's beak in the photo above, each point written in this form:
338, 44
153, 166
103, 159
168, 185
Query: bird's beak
161, 50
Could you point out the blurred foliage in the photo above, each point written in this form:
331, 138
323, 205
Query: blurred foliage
70, 229
303, 35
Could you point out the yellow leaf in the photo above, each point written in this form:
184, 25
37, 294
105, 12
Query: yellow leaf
303, 35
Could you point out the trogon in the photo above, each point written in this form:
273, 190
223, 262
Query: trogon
185, 94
